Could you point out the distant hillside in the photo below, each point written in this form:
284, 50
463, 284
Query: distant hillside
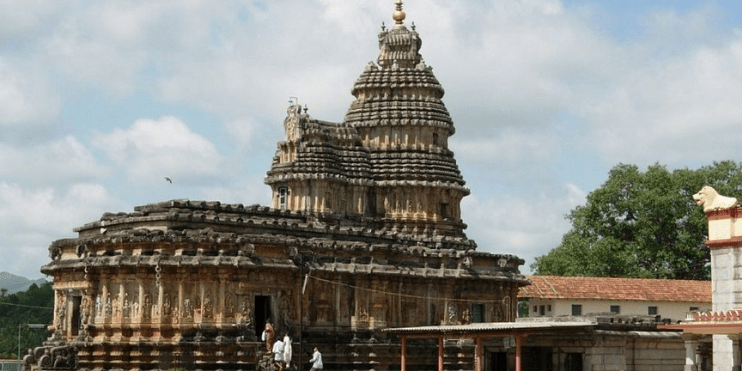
17, 283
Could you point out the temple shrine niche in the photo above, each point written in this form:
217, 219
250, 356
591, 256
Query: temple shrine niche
364, 232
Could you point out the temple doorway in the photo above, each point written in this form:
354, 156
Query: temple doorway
262, 313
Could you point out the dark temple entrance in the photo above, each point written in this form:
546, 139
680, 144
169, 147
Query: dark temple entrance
262, 313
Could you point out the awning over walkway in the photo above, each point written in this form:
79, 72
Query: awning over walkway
478, 331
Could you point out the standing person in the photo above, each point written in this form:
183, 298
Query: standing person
316, 360
278, 354
268, 335
287, 351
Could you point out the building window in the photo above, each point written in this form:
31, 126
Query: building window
573, 362
542, 310
435, 139
548, 309
535, 309
283, 197
693, 308
477, 313
652, 311
616, 309
444, 210
576, 309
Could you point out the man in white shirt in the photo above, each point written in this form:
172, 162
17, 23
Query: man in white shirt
278, 354
316, 360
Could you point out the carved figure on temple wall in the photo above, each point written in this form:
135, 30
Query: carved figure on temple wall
85, 310
147, 307
229, 305
166, 306
187, 308
97, 306
176, 314
207, 308
291, 123
60, 317
135, 307
246, 314
109, 309
452, 315
125, 306
285, 312
362, 313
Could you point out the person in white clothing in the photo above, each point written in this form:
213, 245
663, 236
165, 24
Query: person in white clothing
316, 360
287, 351
278, 354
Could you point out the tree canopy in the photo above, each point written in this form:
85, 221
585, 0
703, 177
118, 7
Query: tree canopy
642, 224
35, 306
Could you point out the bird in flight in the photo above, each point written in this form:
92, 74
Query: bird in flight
169, 180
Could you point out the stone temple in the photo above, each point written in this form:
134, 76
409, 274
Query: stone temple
364, 233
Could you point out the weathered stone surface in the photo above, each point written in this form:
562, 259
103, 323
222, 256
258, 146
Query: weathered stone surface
364, 233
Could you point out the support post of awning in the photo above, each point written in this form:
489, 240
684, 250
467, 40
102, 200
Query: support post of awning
403, 365
479, 353
440, 353
518, 357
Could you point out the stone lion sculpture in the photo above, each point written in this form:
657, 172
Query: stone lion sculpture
711, 200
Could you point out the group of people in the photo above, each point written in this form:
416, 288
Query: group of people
282, 350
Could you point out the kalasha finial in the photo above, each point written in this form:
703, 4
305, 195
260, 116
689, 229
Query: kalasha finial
399, 15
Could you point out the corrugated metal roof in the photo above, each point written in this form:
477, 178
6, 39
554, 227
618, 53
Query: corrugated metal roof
615, 288
491, 327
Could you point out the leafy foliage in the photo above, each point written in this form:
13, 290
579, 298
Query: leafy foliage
642, 224
35, 306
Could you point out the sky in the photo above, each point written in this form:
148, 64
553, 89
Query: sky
100, 101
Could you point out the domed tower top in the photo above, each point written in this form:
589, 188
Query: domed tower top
399, 15
399, 45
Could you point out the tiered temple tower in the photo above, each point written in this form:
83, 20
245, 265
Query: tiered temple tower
388, 162
364, 233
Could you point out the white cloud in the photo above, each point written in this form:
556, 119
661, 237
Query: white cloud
62, 161
526, 227
25, 99
152, 149
30, 219
674, 111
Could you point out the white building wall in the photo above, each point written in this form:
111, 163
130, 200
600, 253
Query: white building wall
561, 307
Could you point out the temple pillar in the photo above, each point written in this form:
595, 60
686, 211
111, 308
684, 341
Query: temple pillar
690, 355
726, 353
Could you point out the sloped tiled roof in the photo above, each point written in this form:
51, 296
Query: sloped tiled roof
608, 288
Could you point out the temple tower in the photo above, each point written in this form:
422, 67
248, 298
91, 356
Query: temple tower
388, 161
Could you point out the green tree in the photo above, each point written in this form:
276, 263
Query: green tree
35, 305
642, 224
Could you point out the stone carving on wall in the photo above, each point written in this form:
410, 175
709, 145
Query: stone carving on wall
98, 306
229, 306
147, 306
125, 306
711, 200
207, 306
187, 308
166, 305
61, 311
246, 311
109, 309
452, 313
135, 313
85, 311
291, 123
284, 310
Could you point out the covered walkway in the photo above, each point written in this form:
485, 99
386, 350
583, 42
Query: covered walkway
481, 331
